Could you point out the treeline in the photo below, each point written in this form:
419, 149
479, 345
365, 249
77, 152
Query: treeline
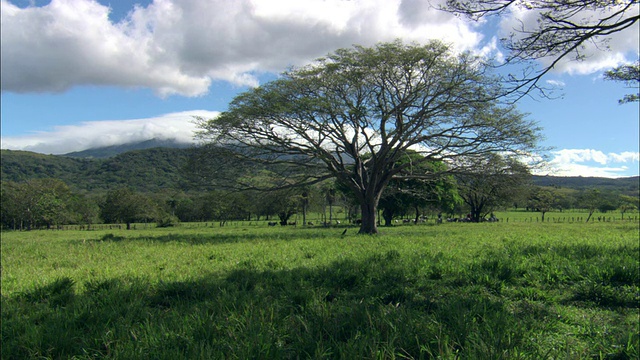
50, 203
153, 185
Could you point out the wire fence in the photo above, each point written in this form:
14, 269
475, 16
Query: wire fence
519, 218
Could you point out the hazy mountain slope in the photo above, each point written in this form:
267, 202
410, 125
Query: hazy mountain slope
144, 170
25, 165
161, 168
110, 151
628, 186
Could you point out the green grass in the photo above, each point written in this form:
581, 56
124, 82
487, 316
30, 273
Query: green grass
468, 291
568, 216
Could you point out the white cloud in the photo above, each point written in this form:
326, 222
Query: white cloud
556, 83
589, 162
181, 46
72, 42
91, 134
490, 50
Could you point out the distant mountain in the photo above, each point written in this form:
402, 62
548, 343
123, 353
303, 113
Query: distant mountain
146, 170
152, 168
21, 166
110, 151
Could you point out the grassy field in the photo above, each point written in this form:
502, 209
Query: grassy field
517, 290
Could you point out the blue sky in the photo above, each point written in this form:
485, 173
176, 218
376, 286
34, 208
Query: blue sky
78, 74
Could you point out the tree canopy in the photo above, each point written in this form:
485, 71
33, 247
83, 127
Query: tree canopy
416, 193
319, 121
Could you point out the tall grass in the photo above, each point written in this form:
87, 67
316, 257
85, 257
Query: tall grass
468, 291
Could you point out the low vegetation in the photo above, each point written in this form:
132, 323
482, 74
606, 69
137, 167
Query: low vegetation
470, 291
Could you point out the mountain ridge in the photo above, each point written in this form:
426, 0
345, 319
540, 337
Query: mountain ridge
113, 150
148, 168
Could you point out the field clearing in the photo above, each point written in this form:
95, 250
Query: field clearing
472, 291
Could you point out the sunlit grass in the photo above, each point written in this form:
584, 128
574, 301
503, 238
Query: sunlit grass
491, 290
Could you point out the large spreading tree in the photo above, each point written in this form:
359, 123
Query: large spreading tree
354, 113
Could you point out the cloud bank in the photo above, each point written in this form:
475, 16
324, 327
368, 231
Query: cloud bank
94, 134
589, 162
181, 46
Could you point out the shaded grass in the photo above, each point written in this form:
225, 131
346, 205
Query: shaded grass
480, 292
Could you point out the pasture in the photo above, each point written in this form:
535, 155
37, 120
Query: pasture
517, 290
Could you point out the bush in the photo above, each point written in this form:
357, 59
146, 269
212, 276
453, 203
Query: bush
168, 221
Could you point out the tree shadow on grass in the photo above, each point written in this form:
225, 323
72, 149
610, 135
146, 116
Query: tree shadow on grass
381, 307
223, 238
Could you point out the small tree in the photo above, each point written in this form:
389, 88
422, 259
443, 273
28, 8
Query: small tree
123, 205
542, 200
284, 203
45, 202
305, 195
85, 209
590, 199
492, 183
318, 122
330, 194
627, 204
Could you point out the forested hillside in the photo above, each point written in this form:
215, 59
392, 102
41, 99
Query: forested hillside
24, 165
143, 170
148, 170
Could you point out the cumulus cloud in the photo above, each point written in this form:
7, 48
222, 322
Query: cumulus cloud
181, 46
179, 126
619, 48
589, 162
72, 42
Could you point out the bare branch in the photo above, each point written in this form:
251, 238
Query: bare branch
563, 29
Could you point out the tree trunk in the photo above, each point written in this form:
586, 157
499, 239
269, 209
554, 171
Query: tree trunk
369, 224
590, 213
304, 214
284, 217
475, 215
330, 213
388, 217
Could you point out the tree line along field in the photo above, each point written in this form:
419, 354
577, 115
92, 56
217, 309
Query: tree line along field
47, 191
468, 291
